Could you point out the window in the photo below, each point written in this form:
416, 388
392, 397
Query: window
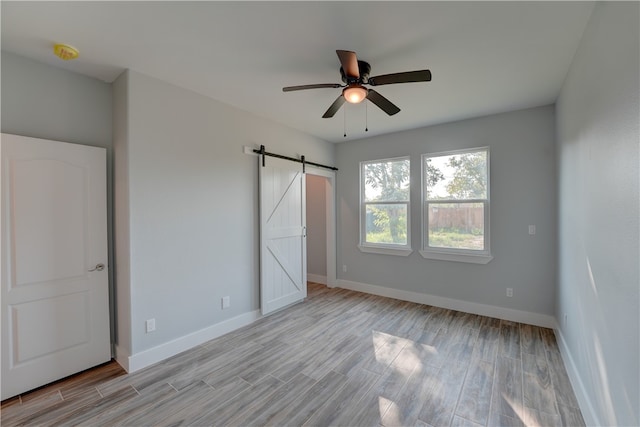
384, 207
456, 206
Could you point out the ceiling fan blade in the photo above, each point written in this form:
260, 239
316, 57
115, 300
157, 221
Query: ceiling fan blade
316, 86
406, 77
383, 103
349, 62
333, 109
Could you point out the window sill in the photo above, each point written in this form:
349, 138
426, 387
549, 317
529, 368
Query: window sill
385, 251
447, 256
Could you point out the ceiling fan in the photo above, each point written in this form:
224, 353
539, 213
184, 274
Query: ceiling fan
355, 74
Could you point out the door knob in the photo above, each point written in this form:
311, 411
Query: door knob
98, 267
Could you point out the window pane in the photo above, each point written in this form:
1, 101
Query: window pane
386, 224
386, 181
456, 225
456, 176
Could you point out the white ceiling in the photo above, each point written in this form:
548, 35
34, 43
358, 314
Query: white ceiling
485, 57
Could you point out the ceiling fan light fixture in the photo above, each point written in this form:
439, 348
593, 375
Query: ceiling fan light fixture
354, 93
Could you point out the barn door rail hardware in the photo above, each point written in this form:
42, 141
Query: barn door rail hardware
302, 159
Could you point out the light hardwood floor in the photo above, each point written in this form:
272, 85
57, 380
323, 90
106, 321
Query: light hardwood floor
340, 358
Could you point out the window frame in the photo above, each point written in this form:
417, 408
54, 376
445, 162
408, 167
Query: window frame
455, 254
383, 248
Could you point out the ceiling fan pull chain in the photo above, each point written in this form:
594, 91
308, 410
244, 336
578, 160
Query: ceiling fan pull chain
366, 117
345, 121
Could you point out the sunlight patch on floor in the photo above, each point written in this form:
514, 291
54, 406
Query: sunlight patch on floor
379, 339
520, 411
385, 405
388, 352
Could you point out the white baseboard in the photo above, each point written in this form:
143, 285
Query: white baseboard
537, 319
156, 354
588, 413
316, 278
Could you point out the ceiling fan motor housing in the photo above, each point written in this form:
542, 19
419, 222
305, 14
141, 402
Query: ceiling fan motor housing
363, 67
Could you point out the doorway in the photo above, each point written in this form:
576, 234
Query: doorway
320, 215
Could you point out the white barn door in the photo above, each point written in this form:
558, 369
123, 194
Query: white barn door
54, 277
283, 250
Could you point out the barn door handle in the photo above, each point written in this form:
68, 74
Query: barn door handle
98, 267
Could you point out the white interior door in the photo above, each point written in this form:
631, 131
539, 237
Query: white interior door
55, 302
283, 252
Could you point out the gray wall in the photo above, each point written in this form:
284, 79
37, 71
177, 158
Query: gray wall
598, 144
121, 215
42, 101
46, 102
193, 206
522, 145
316, 225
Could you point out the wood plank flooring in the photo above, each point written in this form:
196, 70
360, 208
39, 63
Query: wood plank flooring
340, 358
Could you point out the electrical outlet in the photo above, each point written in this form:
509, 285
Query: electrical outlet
509, 292
150, 325
226, 302
532, 230
344, 268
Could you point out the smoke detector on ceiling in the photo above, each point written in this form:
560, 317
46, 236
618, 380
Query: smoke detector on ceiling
65, 52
